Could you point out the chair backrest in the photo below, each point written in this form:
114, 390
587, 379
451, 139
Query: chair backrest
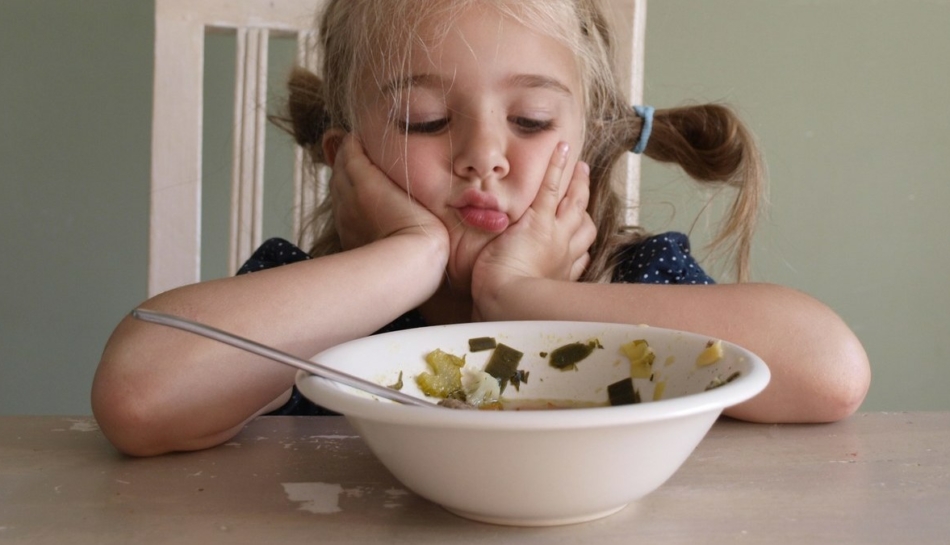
176, 188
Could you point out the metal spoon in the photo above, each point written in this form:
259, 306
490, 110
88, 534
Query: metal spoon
278, 356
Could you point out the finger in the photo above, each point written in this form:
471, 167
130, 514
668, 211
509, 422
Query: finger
550, 190
580, 243
579, 266
578, 192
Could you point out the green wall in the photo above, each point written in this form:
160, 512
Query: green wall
848, 99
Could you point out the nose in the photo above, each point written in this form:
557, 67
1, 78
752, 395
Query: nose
481, 151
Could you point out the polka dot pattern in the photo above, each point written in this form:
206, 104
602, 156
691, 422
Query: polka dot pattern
660, 259
273, 253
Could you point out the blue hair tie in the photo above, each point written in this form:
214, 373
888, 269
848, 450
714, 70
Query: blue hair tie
646, 112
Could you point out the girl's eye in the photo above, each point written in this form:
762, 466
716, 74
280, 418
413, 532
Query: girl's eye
423, 127
529, 126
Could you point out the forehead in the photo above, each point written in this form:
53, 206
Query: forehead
486, 42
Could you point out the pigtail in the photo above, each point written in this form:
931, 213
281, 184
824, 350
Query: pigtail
712, 145
306, 117
708, 141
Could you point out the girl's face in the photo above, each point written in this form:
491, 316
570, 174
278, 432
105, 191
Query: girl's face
481, 113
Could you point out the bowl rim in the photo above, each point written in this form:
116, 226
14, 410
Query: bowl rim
334, 397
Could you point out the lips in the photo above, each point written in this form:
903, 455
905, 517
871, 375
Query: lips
484, 218
480, 211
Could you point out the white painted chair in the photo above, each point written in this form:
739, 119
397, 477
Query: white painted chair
180, 29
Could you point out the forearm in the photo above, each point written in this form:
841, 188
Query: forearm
159, 389
819, 369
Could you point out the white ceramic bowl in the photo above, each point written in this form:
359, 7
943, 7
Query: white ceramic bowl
542, 467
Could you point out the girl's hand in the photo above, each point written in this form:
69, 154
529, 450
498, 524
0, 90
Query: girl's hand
369, 206
551, 240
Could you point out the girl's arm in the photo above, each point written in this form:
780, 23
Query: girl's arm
820, 371
159, 389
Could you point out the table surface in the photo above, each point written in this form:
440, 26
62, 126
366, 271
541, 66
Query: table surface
873, 478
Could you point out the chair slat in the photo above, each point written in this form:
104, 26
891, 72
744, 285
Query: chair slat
175, 205
247, 182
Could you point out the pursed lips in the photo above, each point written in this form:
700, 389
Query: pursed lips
480, 210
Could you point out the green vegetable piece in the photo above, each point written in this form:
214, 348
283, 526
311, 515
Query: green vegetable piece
518, 378
718, 381
398, 384
503, 364
567, 356
446, 378
623, 393
481, 343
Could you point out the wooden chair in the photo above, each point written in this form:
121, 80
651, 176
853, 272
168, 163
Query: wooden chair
176, 188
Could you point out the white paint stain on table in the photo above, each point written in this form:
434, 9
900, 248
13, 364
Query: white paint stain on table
329, 442
319, 498
324, 498
76, 424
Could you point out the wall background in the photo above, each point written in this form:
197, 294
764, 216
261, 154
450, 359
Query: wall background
848, 99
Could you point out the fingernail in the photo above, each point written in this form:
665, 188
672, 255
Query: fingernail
563, 148
585, 168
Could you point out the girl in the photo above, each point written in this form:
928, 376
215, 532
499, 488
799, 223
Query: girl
472, 144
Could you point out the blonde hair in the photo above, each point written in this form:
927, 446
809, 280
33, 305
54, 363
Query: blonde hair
709, 142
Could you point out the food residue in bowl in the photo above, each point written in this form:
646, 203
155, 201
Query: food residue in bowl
449, 379
641, 358
718, 381
569, 355
711, 354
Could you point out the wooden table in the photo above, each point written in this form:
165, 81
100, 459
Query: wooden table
874, 478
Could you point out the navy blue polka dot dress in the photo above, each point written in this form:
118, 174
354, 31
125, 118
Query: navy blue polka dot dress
660, 259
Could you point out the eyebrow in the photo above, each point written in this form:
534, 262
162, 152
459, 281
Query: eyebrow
415, 80
537, 81
528, 81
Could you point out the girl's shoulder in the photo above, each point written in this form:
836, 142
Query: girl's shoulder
272, 253
660, 259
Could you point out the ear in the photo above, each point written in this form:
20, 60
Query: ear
332, 139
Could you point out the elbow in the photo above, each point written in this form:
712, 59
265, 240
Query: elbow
142, 425
846, 388
821, 381
139, 409
124, 419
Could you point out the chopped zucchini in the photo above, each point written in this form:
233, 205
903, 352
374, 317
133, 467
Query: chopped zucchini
503, 364
622, 392
567, 356
446, 378
398, 384
711, 354
481, 343
518, 378
641, 358
718, 381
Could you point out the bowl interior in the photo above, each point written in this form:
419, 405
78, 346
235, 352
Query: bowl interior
678, 370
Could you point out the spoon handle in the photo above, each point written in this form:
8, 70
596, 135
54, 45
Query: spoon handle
311, 367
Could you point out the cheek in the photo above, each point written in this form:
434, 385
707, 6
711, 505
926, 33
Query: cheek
533, 163
418, 169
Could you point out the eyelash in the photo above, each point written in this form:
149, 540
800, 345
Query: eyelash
524, 124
